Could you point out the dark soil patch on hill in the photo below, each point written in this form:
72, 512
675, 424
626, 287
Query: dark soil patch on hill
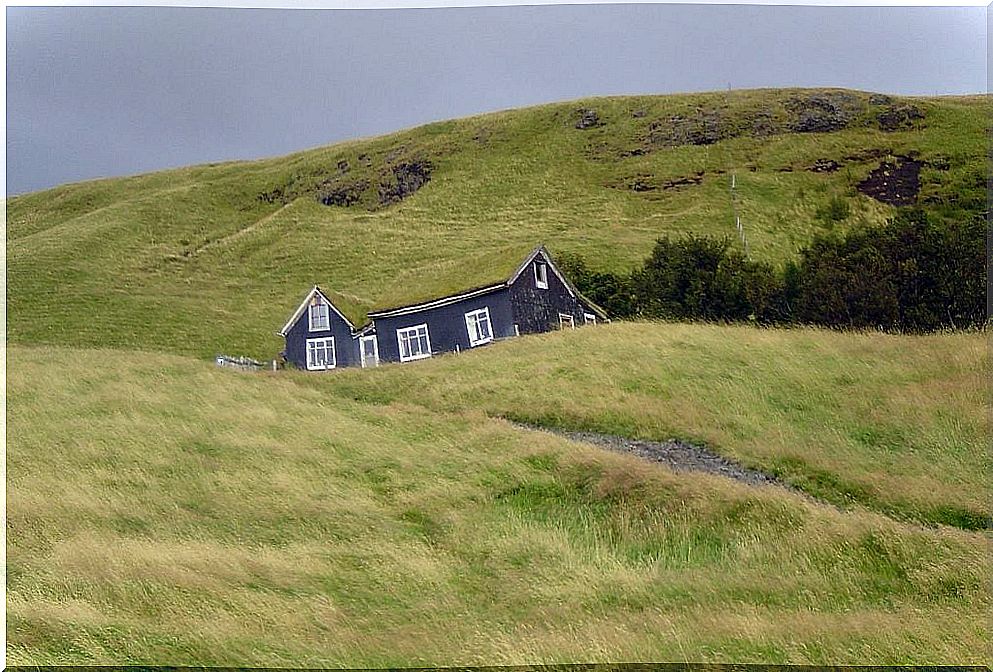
403, 180
342, 194
824, 166
820, 112
899, 118
703, 127
339, 186
588, 118
894, 183
824, 112
642, 182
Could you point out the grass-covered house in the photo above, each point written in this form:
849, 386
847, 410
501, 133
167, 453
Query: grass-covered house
498, 300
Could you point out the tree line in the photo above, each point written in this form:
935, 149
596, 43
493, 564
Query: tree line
912, 274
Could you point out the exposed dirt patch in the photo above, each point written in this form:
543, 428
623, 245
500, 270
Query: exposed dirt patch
404, 179
342, 194
399, 177
894, 183
824, 112
763, 125
276, 195
588, 118
704, 127
824, 166
644, 182
820, 112
677, 455
899, 117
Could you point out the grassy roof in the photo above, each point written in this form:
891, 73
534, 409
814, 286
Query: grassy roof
445, 277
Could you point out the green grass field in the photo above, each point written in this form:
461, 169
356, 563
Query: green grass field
894, 423
192, 262
162, 510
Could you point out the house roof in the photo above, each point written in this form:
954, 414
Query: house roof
479, 274
484, 269
443, 282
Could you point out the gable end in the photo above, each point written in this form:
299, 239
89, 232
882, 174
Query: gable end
303, 307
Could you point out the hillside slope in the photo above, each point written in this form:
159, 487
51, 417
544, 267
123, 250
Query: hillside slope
163, 509
213, 258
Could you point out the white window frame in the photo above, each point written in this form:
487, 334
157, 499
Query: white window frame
375, 350
405, 330
334, 359
472, 317
563, 318
310, 315
589, 318
541, 280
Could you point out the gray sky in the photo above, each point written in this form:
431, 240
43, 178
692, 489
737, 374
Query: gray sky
94, 92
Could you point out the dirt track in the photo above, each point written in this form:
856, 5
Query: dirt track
677, 455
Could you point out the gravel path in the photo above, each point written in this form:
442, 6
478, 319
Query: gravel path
677, 455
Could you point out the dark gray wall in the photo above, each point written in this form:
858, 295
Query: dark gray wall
346, 348
446, 324
537, 310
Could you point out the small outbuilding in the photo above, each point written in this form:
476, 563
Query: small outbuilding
533, 297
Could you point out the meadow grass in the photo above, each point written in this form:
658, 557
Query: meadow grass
891, 422
191, 261
164, 511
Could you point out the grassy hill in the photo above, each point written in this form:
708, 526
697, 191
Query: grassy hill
213, 258
162, 509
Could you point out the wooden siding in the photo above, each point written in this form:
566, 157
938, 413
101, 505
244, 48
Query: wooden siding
346, 348
537, 310
446, 325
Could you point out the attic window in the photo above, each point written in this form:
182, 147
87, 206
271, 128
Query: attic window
319, 320
541, 275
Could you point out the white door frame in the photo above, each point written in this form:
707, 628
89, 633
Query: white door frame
375, 349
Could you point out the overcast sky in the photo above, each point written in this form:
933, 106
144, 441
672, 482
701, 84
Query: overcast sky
95, 92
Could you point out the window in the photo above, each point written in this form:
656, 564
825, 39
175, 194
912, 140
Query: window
320, 354
566, 320
478, 325
541, 275
319, 320
414, 343
589, 318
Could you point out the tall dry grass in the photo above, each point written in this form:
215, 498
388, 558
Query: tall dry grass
163, 511
894, 423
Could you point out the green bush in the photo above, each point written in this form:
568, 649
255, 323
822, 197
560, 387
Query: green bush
912, 274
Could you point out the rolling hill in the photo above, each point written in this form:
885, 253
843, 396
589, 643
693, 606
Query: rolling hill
164, 510
161, 509
212, 258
